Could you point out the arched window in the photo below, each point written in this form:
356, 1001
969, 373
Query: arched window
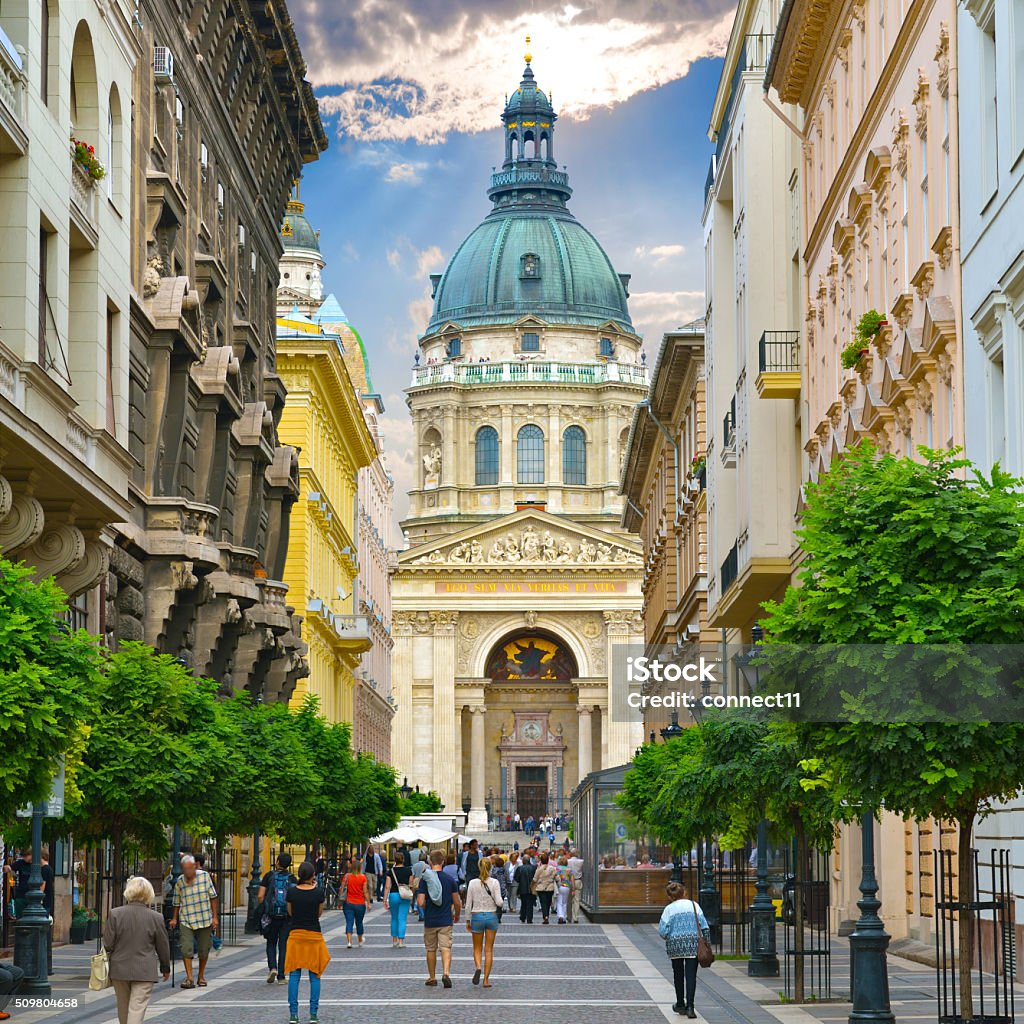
574, 456
488, 457
530, 455
114, 145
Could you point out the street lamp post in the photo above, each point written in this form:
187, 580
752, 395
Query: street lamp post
764, 960
175, 875
406, 789
869, 941
252, 920
31, 934
710, 897
671, 732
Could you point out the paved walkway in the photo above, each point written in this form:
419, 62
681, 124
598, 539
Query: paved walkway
573, 974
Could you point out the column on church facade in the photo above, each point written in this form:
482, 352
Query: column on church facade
447, 750
586, 741
623, 626
478, 769
401, 674
449, 477
506, 444
602, 754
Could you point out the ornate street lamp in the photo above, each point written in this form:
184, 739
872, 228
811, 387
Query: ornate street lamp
252, 918
406, 789
673, 730
32, 931
869, 941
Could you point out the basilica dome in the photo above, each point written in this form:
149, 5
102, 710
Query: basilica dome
530, 255
296, 232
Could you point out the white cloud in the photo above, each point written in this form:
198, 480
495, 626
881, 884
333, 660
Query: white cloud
429, 261
400, 446
659, 253
406, 174
417, 263
390, 70
653, 313
394, 258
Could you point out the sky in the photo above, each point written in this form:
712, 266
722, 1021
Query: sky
411, 92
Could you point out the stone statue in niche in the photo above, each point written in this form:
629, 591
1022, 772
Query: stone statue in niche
432, 463
151, 277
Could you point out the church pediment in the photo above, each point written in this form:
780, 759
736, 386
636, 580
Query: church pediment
529, 539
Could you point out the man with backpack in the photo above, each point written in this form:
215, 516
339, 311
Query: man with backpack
469, 863
273, 899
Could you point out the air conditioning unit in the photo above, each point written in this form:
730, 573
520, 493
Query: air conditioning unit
163, 64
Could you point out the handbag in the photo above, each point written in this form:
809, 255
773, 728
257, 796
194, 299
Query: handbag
705, 954
343, 889
99, 971
404, 892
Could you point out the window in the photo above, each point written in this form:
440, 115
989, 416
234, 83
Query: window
530, 343
607, 348
488, 456
989, 156
947, 184
574, 456
530, 455
530, 266
926, 240
42, 299
77, 615
904, 221
111, 423
453, 348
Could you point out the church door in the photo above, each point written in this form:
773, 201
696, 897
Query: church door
532, 791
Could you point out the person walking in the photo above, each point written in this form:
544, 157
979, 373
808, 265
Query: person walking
564, 883
513, 889
451, 869
438, 895
272, 897
679, 925
195, 909
469, 863
576, 867
355, 887
500, 872
135, 938
524, 885
373, 868
544, 885
307, 950
483, 916
398, 897
419, 866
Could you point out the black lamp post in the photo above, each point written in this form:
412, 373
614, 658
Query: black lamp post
671, 732
175, 875
252, 919
764, 958
31, 934
466, 805
869, 941
406, 789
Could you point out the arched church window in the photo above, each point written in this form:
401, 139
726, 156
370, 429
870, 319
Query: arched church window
574, 456
530, 266
530, 455
488, 456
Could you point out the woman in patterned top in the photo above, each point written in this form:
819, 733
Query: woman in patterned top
678, 927
564, 885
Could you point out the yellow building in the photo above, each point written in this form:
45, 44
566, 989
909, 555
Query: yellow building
323, 419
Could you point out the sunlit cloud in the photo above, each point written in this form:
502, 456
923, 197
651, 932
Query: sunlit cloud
653, 313
406, 174
659, 254
390, 71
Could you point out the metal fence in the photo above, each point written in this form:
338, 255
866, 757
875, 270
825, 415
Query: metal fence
980, 989
807, 944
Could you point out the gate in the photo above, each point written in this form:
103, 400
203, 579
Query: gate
807, 945
234, 905
982, 989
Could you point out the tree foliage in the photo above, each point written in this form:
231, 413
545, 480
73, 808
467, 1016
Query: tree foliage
420, 803
49, 686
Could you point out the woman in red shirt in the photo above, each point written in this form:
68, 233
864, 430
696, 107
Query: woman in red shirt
355, 889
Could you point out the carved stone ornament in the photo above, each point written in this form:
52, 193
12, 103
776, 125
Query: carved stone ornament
921, 103
942, 60
900, 137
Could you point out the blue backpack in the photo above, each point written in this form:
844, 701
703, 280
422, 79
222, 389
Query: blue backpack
277, 899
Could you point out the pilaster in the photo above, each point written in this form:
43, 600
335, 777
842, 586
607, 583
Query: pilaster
447, 732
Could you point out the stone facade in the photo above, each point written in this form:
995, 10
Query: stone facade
664, 484
65, 295
223, 121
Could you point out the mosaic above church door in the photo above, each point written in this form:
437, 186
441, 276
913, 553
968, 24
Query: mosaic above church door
531, 657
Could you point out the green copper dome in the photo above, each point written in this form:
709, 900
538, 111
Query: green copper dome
296, 232
530, 255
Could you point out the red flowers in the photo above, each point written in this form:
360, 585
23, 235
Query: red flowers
85, 156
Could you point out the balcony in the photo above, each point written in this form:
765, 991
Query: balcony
729, 571
778, 364
523, 372
84, 194
13, 131
757, 48
729, 436
540, 176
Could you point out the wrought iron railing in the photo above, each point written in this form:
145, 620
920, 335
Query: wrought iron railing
779, 352
730, 569
729, 426
529, 176
523, 372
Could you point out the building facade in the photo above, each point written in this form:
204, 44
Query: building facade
752, 259
222, 122
518, 582
991, 77
875, 83
323, 421
664, 478
64, 304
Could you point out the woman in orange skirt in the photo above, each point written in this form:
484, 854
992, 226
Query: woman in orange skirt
306, 948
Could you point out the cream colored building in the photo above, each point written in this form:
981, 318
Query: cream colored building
875, 83
518, 582
65, 289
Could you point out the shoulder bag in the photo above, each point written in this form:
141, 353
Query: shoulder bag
705, 954
99, 972
404, 892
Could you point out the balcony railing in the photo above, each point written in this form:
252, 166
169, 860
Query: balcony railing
533, 372
757, 48
779, 352
709, 182
729, 426
530, 176
730, 569
352, 627
12, 93
83, 200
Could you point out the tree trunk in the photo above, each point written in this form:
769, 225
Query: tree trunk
965, 880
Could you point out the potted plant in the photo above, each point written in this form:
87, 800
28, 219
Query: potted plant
869, 325
85, 156
92, 925
851, 356
79, 925
699, 469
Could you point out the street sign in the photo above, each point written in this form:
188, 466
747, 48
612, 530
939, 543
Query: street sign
53, 806
620, 833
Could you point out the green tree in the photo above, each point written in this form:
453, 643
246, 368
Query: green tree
377, 799
49, 686
152, 752
901, 552
420, 803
